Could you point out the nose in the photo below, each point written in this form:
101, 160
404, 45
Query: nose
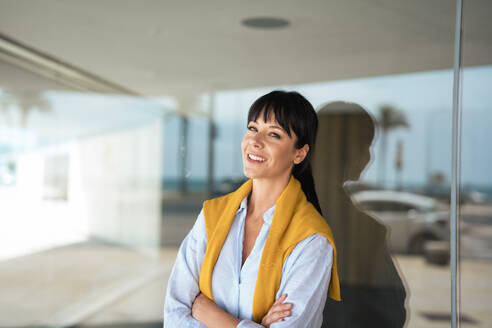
257, 141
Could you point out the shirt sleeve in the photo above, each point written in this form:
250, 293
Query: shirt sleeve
249, 324
305, 279
182, 287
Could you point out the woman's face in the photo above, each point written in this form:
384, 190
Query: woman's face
268, 151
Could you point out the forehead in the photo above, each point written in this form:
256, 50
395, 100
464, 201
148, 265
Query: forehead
271, 122
270, 119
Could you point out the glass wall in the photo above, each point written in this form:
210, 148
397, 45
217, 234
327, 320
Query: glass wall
475, 233
116, 125
391, 226
80, 193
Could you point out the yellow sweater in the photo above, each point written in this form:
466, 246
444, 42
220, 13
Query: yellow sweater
294, 219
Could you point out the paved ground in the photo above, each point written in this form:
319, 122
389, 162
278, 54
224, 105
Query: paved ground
94, 285
430, 293
84, 283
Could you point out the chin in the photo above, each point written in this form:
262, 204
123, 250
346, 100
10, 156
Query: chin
252, 175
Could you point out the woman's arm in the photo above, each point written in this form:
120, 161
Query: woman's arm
185, 306
208, 313
305, 278
183, 292
182, 287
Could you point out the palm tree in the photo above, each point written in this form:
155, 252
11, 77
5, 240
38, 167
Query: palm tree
26, 101
389, 118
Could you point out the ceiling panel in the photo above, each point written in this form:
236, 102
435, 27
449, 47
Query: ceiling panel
171, 47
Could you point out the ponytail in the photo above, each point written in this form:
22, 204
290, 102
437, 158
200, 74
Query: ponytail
304, 174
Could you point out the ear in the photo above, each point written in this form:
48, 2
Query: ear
301, 154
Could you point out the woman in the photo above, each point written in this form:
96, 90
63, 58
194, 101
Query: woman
262, 255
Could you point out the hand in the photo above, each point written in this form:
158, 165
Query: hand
277, 312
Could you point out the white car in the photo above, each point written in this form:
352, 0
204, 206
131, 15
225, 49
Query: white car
411, 219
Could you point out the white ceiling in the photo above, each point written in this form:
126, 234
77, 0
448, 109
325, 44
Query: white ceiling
162, 48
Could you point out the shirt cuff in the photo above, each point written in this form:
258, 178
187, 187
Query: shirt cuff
249, 324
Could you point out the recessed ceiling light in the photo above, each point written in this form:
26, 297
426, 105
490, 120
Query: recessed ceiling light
265, 22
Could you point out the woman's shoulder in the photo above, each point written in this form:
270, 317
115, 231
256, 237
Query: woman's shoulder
198, 230
315, 241
216, 201
312, 249
308, 221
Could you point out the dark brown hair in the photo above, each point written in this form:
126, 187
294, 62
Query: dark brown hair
294, 113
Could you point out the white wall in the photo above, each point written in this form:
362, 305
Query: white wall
119, 181
114, 188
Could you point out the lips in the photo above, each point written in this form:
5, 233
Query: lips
255, 158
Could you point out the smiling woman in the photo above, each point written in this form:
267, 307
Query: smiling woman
268, 149
262, 254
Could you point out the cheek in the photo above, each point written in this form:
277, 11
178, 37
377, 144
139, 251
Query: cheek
243, 143
284, 155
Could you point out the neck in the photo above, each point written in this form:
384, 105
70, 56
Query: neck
265, 192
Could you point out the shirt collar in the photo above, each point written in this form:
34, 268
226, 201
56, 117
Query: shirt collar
244, 203
267, 216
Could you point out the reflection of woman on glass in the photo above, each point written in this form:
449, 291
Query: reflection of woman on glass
262, 255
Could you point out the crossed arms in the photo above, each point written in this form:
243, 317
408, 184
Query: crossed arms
305, 280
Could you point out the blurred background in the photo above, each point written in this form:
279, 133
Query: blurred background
118, 118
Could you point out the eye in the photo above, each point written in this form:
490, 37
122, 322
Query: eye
251, 128
275, 135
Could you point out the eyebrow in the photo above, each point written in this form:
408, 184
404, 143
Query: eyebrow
271, 126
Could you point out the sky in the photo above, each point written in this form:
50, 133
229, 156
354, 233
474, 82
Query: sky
425, 98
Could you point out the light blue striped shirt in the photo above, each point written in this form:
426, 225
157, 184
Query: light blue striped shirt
305, 276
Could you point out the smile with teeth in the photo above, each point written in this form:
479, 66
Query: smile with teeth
256, 158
